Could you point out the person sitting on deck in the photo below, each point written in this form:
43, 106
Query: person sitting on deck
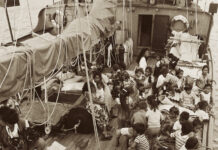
100, 112
202, 111
138, 117
191, 144
13, 131
181, 136
197, 88
141, 141
204, 76
205, 95
148, 82
197, 128
142, 58
139, 75
65, 74
187, 98
154, 117
181, 81
184, 116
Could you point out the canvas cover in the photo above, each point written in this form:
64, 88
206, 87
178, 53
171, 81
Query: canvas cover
38, 57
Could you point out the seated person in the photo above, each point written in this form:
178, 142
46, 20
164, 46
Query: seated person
184, 116
202, 111
205, 95
191, 144
173, 116
140, 115
139, 75
13, 132
204, 76
141, 142
187, 98
181, 136
197, 129
100, 91
197, 88
181, 81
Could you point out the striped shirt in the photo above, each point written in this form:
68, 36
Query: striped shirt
180, 140
142, 143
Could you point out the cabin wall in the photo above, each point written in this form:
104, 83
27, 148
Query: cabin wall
127, 17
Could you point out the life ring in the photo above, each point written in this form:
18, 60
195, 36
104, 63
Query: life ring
176, 24
58, 19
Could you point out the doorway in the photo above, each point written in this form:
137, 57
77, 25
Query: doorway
145, 29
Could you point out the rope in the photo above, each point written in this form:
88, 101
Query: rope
88, 83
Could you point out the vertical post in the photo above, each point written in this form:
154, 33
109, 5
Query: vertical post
9, 24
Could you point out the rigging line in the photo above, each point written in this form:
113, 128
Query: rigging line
31, 24
123, 20
187, 10
89, 89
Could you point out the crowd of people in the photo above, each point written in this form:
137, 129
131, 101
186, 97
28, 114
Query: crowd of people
136, 98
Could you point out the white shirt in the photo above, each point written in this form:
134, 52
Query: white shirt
160, 81
177, 126
100, 94
183, 148
175, 52
143, 63
202, 115
206, 97
154, 118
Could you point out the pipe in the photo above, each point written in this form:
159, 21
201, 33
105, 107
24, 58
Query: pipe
9, 24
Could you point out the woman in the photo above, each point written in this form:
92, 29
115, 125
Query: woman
204, 76
142, 58
100, 112
13, 132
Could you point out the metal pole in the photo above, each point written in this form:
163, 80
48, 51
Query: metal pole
9, 24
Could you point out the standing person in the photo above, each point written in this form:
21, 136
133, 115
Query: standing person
101, 115
13, 131
142, 58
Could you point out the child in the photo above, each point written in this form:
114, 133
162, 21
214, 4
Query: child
139, 75
100, 91
181, 80
197, 128
181, 136
140, 142
141, 90
197, 88
191, 144
204, 77
142, 58
205, 95
140, 115
148, 82
173, 115
184, 116
202, 111
154, 117
187, 97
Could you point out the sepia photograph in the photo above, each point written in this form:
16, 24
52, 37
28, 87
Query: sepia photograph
108, 75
